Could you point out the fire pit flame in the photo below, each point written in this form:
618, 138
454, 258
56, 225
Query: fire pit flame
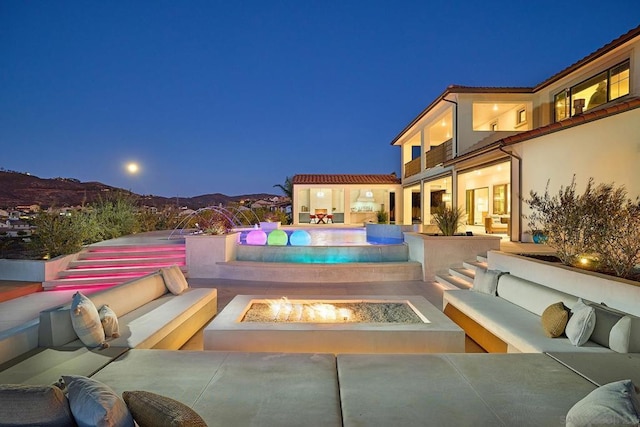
285, 310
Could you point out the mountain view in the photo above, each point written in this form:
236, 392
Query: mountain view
23, 189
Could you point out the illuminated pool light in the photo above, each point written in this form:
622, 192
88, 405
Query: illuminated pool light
257, 237
277, 238
300, 238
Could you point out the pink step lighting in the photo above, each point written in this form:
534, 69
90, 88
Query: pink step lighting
105, 266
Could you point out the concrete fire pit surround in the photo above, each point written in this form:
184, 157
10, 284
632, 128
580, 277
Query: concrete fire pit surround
440, 335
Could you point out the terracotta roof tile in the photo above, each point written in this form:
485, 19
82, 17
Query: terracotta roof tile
345, 179
629, 35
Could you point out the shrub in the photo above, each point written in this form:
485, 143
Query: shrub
448, 219
57, 235
383, 217
602, 223
115, 216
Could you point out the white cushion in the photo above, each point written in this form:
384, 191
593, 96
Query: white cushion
86, 321
514, 325
486, 281
109, 322
615, 403
96, 404
531, 296
174, 279
581, 323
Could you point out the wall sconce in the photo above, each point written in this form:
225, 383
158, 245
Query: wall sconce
320, 194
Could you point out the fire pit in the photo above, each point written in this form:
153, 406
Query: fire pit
358, 324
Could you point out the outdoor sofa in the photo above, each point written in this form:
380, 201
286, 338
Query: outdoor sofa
504, 312
150, 316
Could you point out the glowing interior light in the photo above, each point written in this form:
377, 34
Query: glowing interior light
584, 261
495, 107
257, 237
320, 194
277, 238
300, 238
369, 194
444, 123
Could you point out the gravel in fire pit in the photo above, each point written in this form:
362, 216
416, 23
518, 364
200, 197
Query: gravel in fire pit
309, 312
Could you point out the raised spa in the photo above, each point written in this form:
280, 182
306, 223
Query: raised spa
432, 333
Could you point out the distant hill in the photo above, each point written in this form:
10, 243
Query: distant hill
22, 189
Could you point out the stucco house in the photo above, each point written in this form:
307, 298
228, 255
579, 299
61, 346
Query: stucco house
344, 199
485, 148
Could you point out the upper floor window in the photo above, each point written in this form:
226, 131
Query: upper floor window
597, 90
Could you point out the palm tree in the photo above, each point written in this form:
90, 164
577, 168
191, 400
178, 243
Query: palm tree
287, 188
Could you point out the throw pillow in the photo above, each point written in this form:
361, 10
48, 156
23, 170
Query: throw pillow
554, 319
152, 410
174, 279
31, 405
581, 324
615, 403
486, 281
625, 335
96, 404
109, 322
86, 321
606, 318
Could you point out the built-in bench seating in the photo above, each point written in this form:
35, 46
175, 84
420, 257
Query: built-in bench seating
149, 317
511, 320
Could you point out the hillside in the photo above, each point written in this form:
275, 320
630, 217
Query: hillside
22, 189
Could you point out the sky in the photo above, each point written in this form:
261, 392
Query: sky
234, 96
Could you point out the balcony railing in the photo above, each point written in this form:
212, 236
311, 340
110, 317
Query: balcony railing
412, 168
438, 154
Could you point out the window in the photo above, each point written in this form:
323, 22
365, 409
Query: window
619, 81
521, 116
562, 105
597, 90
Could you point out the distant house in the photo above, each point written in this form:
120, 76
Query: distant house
485, 148
347, 199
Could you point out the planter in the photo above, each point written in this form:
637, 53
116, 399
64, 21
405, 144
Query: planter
34, 270
204, 252
269, 226
620, 293
439, 253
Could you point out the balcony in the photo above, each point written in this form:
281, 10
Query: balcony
412, 168
438, 154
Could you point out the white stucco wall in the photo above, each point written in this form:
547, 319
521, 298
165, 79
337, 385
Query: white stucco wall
607, 150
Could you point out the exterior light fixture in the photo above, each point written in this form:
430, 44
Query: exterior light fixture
320, 194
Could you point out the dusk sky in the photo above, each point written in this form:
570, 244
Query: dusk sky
233, 96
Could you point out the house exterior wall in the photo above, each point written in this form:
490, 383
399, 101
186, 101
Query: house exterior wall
340, 198
607, 150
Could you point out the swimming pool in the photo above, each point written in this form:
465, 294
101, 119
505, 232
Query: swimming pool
326, 245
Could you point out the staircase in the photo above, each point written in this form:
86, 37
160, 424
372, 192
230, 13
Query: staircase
462, 277
108, 265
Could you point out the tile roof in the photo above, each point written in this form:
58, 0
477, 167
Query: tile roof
629, 35
589, 116
345, 179
470, 89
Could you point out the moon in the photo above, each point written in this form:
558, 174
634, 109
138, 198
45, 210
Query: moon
133, 167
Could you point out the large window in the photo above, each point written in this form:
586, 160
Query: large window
597, 90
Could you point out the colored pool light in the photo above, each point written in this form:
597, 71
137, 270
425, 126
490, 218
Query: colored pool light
277, 238
257, 237
300, 238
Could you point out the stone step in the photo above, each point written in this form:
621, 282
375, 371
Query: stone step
447, 281
482, 258
463, 273
106, 262
337, 273
474, 265
108, 253
113, 270
87, 281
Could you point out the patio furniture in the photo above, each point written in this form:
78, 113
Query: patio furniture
312, 219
